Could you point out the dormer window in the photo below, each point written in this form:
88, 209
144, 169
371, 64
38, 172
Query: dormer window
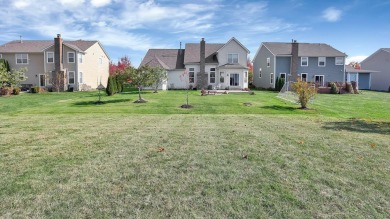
321, 61
233, 58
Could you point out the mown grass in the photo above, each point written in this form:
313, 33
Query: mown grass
63, 156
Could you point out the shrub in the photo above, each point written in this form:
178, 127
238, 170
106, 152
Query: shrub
35, 90
5, 91
304, 91
348, 87
333, 88
111, 86
16, 91
277, 84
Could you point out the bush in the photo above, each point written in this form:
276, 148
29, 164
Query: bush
16, 91
333, 88
35, 90
5, 91
348, 87
304, 91
111, 86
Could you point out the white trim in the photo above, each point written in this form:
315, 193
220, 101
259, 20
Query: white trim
47, 57
74, 77
268, 62
306, 76
238, 58
74, 57
307, 61
342, 61
215, 76
80, 57
16, 58
320, 57
271, 78
247, 50
189, 72
81, 76
323, 81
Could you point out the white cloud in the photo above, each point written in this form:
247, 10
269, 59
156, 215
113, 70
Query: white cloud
21, 4
332, 14
359, 59
72, 3
100, 3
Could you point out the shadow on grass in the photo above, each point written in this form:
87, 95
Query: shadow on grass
86, 103
280, 108
359, 125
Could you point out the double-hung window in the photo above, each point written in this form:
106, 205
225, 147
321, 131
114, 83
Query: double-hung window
233, 58
80, 57
260, 72
191, 75
271, 78
50, 57
321, 61
22, 58
339, 61
304, 61
212, 75
268, 62
71, 77
71, 57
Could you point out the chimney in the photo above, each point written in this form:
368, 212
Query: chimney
21, 41
202, 80
294, 60
58, 53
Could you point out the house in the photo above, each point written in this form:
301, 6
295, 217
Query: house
362, 77
379, 61
81, 64
207, 65
311, 62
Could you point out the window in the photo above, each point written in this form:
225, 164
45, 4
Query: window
282, 76
42, 80
100, 61
70, 57
260, 72
233, 58
22, 58
304, 77
271, 81
81, 77
268, 62
321, 61
50, 57
339, 61
246, 77
71, 77
1, 56
319, 79
191, 75
221, 78
304, 61
234, 79
80, 57
212, 75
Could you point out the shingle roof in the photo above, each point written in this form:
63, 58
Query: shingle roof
304, 49
193, 52
40, 45
349, 68
167, 58
386, 49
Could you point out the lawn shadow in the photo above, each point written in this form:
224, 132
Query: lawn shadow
280, 108
359, 125
86, 103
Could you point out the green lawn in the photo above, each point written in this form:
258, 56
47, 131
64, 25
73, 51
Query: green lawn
63, 156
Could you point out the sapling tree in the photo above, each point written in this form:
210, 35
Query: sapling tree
139, 77
304, 91
157, 75
186, 79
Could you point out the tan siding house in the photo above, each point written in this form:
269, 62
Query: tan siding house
84, 63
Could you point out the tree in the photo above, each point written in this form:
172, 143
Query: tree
250, 70
119, 68
185, 77
139, 77
304, 91
111, 86
157, 76
11, 78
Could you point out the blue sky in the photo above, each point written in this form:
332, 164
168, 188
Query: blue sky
356, 27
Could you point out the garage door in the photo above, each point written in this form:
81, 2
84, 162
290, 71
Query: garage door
364, 81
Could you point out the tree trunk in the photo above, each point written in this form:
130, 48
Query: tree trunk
139, 92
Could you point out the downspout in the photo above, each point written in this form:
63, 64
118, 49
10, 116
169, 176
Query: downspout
77, 71
274, 70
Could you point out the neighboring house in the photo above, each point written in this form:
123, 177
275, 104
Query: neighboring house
82, 63
208, 65
379, 61
311, 62
361, 76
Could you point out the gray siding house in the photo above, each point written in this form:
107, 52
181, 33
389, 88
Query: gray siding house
311, 62
202, 65
379, 61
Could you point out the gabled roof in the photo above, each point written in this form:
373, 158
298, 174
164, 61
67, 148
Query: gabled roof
32, 46
386, 49
238, 42
374, 54
304, 49
349, 68
168, 59
193, 52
